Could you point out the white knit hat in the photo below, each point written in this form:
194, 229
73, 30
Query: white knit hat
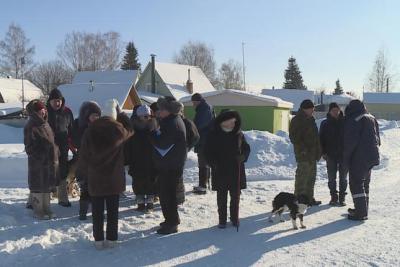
143, 110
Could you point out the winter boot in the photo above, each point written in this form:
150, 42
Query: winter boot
29, 202
315, 202
342, 197
141, 207
361, 210
62, 194
37, 203
167, 229
221, 225
199, 190
334, 199
83, 209
46, 206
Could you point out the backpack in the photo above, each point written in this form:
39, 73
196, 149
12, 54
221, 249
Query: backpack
192, 134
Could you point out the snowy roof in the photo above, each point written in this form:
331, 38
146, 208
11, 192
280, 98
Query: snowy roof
230, 97
11, 90
109, 76
148, 97
175, 77
294, 96
343, 99
381, 98
106, 86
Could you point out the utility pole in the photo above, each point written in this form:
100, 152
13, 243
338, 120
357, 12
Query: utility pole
23, 91
387, 85
244, 69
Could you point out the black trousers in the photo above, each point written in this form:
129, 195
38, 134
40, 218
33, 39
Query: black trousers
222, 199
359, 186
204, 169
112, 204
333, 166
84, 198
168, 181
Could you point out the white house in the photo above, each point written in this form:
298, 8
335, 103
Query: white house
11, 91
101, 86
172, 80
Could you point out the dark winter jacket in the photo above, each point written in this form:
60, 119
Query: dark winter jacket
303, 134
169, 144
202, 119
42, 154
331, 136
226, 153
361, 138
140, 159
192, 134
61, 122
101, 157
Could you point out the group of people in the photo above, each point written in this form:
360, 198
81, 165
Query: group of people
348, 142
154, 142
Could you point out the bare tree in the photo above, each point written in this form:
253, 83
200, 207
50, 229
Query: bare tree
198, 54
230, 75
82, 51
382, 73
14, 50
49, 75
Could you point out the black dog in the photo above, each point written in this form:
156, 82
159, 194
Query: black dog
297, 205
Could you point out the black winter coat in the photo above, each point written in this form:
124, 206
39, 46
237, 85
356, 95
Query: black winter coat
331, 136
202, 119
226, 153
61, 122
361, 138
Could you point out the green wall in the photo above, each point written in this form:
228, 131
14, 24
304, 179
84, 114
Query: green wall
253, 118
384, 111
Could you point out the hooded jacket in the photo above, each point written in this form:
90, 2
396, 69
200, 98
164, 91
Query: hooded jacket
226, 153
331, 136
361, 138
42, 153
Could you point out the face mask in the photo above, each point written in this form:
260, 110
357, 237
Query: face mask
227, 130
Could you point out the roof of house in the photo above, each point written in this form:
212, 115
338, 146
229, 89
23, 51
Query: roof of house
106, 85
230, 97
175, 77
382, 98
148, 97
343, 99
11, 90
294, 96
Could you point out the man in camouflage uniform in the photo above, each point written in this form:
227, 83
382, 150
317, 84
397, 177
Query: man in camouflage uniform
303, 133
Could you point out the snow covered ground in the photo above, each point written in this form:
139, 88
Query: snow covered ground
330, 239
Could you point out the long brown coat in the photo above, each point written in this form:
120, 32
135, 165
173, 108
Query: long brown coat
101, 157
42, 154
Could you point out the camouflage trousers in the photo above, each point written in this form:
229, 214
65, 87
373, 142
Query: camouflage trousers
306, 173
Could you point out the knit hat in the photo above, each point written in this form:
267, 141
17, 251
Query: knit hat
143, 110
111, 107
306, 104
333, 105
197, 97
38, 105
55, 94
169, 104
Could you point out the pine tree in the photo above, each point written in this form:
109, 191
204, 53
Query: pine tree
338, 89
130, 61
293, 78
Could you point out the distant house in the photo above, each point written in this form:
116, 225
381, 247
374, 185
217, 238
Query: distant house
295, 96
383, 105
11, 91
258, 112
322, 102
173, 80
101, 86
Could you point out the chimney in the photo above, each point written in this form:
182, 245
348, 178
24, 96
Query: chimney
189, 84
153, 73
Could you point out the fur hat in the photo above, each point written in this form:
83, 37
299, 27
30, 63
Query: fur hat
143, 110
333, 105
169, 104
306, 104
197, 97
55, 94
87, 108
38, 105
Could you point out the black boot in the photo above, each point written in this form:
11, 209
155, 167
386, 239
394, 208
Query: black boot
334, 199
342, 197
83, 209
167, 229
360, 212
